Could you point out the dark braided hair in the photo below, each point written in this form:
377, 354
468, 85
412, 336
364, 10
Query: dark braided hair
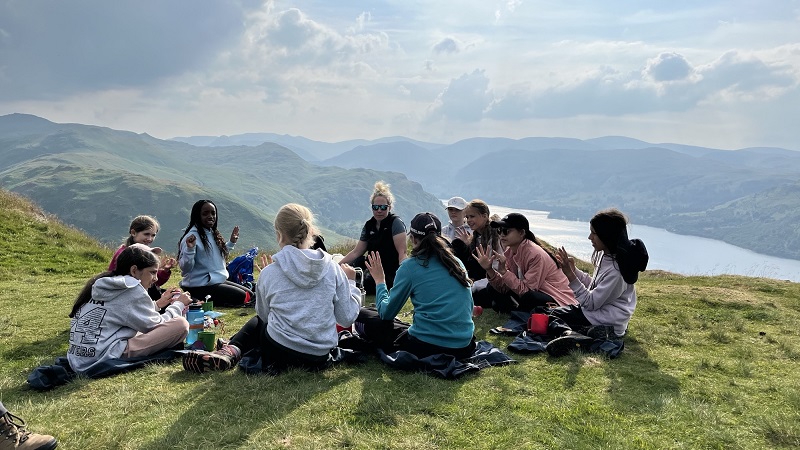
195, 220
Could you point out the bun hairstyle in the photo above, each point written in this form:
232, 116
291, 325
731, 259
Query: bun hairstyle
134, 255
381, 189
295, 223
610, 225
141, 223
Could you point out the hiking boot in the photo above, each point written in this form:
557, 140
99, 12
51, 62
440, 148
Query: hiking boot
199, 361
14, 436
568, 343
601, 332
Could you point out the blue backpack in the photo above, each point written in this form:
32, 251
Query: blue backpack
240, 269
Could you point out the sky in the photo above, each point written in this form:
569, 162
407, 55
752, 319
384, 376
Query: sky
716, 73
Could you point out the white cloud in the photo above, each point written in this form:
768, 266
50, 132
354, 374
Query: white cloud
465, 99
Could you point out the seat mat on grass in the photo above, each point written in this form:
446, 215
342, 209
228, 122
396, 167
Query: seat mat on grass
447, 366
59, 373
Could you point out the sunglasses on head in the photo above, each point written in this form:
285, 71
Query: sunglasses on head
380, 207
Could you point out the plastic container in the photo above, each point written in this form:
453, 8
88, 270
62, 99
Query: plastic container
195, 318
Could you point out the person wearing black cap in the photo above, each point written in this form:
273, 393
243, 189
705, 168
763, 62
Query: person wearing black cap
607, 299
527, 271
439, 288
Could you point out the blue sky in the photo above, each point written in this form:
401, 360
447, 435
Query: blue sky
723, 74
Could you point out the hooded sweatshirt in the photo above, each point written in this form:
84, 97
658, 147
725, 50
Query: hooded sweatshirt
302, 295
605, 299
120, 308
202, 266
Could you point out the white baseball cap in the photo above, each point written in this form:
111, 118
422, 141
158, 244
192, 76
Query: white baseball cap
457, 203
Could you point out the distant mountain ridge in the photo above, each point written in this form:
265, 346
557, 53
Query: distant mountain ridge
721, 194
97, 179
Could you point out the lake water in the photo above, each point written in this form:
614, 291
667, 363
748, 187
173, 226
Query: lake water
687, 255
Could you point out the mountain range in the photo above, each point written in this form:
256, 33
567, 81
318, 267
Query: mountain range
748, 197
97, 179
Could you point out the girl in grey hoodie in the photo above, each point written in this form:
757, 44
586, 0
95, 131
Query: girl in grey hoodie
302, 294
114, 317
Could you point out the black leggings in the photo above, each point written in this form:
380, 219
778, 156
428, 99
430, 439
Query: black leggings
223, 294
566, 318
275, 358
503, 302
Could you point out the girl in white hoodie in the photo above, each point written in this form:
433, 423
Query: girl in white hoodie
114, 317
302, 295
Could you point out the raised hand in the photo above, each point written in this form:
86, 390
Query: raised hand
484, 257
265, 261
191, 241
235, 234
349, 271
567, 263
463, 235
168, 264
375, 267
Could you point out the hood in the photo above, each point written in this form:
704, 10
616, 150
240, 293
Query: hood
305, 268
109, 288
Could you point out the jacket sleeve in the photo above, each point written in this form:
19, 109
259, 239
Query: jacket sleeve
347, 302
388, 303
186, 260
113, 264
142, 317
609, 286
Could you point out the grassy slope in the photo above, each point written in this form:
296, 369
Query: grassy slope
696, 373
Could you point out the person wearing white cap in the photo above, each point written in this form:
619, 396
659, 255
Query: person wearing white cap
455, 211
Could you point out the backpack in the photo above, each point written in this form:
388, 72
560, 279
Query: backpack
240, 269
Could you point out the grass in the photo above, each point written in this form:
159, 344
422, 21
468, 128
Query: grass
710, 362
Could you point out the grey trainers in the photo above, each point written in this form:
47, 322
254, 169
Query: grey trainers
568, 343
14, 436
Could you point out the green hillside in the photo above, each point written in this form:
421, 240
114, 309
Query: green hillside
98, 179
710, 362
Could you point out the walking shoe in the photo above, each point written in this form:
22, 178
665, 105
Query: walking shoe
601, 332
14, 436
199, 361
567, 343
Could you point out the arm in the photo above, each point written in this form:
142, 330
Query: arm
400, 245
188, 250
142, 317
530, 262
388, 303
608, 288
347, 302
360, 249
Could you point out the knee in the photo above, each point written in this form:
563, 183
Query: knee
180, 325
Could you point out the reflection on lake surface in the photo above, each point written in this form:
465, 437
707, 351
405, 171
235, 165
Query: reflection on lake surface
687, 255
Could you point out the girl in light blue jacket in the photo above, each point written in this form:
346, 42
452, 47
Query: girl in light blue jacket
202, 255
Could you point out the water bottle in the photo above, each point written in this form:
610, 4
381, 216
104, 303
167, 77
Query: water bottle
195, 318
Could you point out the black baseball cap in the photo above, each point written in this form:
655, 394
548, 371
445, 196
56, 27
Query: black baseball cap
425, 223
512, 220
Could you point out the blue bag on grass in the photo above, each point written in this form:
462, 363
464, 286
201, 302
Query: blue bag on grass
240, 269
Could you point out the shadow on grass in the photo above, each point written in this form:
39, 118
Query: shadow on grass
227, 408
636, 381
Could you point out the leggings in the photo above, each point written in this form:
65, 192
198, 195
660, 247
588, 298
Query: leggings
566, 318
275, 358
223, 294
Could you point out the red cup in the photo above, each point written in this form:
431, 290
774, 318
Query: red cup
537, 323
340, 328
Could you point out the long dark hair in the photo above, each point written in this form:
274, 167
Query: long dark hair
131, 256
433, 244
196, 221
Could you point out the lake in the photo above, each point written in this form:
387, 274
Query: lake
687, 255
